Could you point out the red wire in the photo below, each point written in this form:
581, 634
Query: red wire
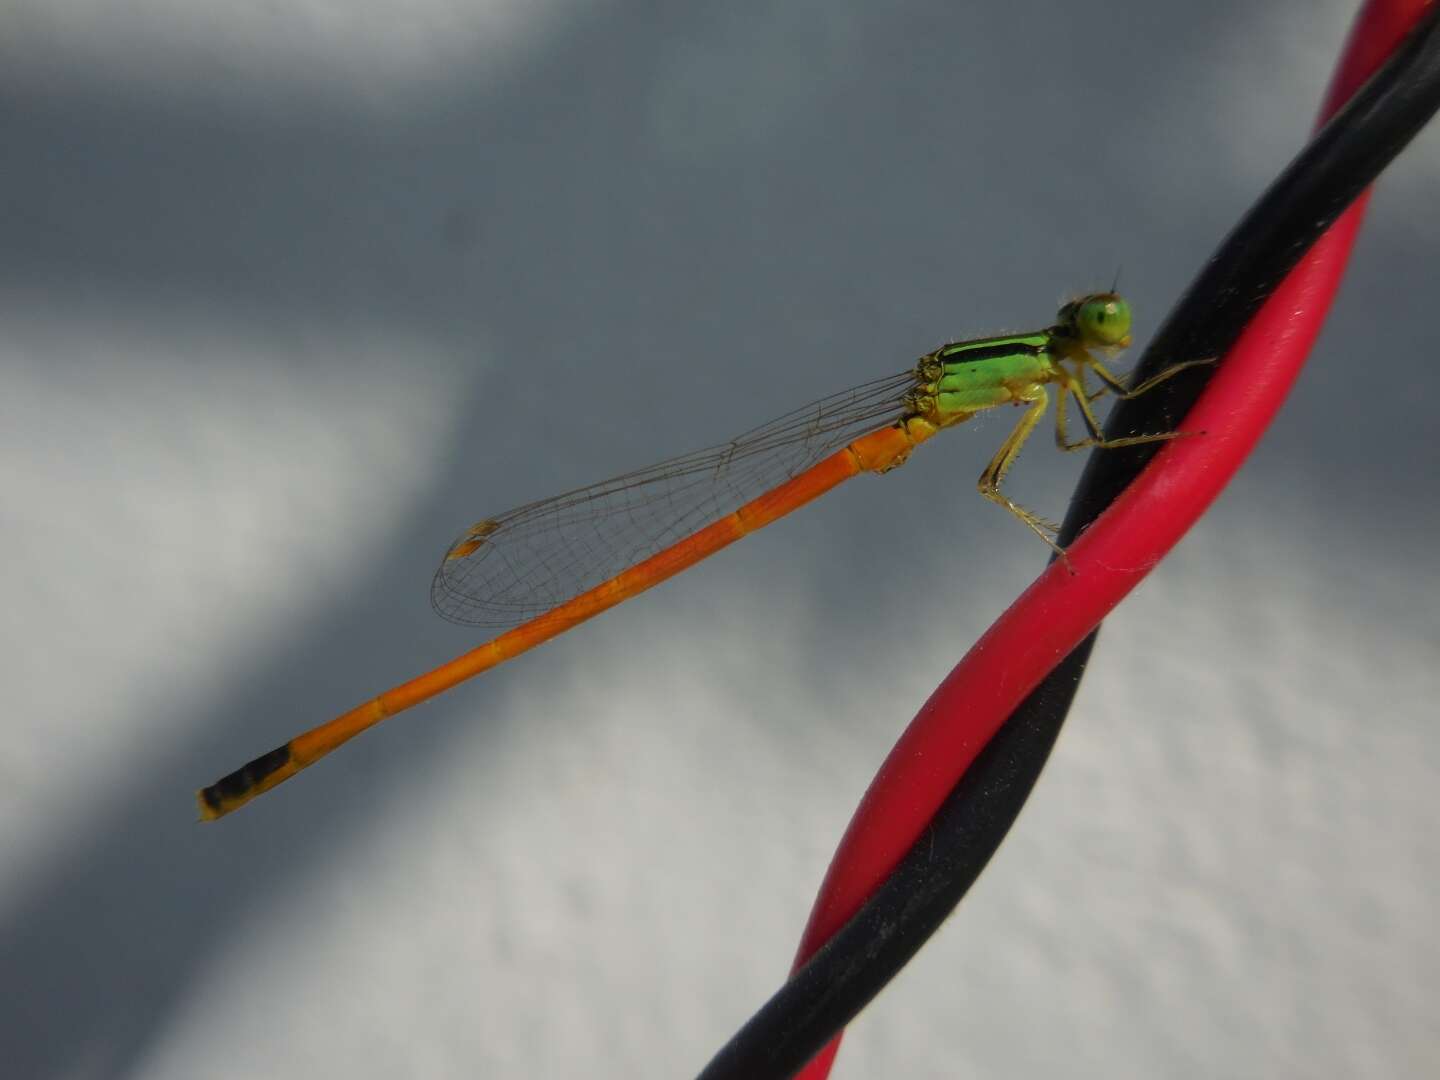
1110, 558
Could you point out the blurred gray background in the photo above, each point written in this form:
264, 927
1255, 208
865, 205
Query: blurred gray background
294, 291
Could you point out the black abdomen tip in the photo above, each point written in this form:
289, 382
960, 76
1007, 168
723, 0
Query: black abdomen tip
234, 790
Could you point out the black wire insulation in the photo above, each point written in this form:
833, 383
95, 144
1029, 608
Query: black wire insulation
1342, 160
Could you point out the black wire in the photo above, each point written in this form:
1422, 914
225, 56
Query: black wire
855, 964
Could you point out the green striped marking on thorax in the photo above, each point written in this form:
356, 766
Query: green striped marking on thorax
966, 377
995, 348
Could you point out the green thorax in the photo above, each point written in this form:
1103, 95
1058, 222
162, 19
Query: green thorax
957, 380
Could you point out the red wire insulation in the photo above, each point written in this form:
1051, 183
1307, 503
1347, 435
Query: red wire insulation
1110, 558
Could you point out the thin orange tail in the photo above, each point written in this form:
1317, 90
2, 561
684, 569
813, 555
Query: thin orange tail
875, 452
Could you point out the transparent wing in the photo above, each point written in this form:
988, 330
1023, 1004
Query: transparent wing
507, 569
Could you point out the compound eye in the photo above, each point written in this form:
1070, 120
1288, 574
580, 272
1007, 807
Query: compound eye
1105, 320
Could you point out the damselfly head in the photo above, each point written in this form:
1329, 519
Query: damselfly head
1101, 320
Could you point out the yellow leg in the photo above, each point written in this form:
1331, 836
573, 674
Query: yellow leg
1118, 385
1090, 395
994, 474
1073, 387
